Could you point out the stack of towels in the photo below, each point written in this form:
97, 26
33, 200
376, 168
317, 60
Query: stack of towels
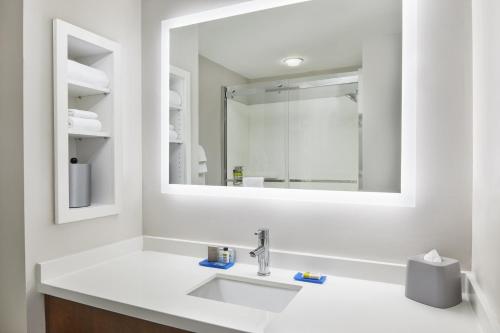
202, 161
85, 74
173, 135
175, 99
83, 120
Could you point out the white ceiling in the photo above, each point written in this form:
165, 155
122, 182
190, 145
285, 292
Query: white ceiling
327, 33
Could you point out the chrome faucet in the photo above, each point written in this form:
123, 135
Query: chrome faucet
262, 251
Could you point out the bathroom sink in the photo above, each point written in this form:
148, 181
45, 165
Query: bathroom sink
259, 294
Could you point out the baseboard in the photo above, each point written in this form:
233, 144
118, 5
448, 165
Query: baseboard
487, 318
339, 266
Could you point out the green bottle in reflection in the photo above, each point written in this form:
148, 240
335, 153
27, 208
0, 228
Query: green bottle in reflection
237, 175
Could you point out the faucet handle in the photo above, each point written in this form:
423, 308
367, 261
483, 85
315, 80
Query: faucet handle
261, 233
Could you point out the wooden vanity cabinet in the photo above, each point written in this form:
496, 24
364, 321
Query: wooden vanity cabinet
63, 316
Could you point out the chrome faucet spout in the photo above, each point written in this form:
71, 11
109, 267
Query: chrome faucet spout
262, 251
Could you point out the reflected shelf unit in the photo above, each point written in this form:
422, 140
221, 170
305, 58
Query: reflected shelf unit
180, 118
101, 149
80, 134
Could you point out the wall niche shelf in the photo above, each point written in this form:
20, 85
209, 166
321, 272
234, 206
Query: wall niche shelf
81, 89
80, 134
180, 119
101, 149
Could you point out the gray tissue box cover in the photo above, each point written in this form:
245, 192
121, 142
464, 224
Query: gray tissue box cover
435, 284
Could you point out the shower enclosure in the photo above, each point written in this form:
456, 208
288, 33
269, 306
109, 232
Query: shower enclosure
300, 133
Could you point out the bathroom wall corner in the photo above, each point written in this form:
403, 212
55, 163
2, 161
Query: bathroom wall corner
12, 243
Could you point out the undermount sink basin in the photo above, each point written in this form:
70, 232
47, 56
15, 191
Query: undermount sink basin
259, 294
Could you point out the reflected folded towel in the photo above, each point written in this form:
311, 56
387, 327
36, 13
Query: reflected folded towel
86, 74
84, 124
82, 114
173, 135
175, 99
202, 161
202, 155
253, 181
202, 168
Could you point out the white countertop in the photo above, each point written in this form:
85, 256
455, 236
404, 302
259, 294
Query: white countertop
153, 286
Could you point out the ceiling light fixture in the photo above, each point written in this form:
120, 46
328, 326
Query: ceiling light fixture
293, 61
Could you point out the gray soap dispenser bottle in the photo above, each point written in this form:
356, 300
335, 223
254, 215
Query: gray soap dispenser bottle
79, 184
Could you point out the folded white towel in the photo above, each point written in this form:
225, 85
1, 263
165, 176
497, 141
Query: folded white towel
84, 124
253, 181
173, 135
433, 256
175, 99
171, 127
82, 114
202, 155
86, 74
202, 168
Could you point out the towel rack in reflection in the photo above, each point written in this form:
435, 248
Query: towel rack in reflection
294, 180
266, 180
338, 181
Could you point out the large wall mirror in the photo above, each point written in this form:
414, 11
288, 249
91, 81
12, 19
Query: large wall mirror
289, 95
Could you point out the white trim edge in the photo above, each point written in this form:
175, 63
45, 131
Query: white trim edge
487, 318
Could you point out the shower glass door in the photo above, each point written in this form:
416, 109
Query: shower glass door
256, 140
324, 132
302, 135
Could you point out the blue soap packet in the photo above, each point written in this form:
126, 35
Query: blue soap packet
299, 277
216, 264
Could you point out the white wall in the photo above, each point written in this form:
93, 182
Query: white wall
380, 104
486, 199
442, 216
212, 77
12, 276
119, 20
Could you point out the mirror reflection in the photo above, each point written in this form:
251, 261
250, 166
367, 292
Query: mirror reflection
306, 96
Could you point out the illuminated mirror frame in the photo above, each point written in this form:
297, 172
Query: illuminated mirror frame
408, 118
